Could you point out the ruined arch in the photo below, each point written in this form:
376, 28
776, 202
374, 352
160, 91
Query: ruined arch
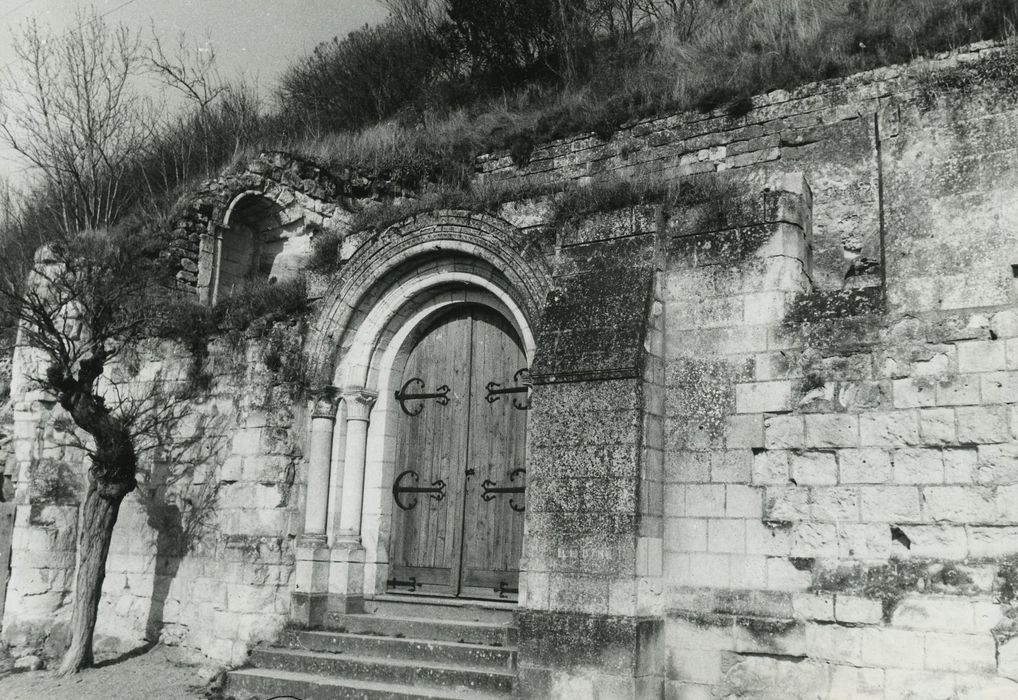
275, 203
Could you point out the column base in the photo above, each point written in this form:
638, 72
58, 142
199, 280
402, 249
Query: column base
308, 609
308, 601
346, 578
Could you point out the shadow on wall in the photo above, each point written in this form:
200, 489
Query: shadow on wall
178, 498
260, 242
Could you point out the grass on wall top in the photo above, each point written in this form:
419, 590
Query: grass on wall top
425, 138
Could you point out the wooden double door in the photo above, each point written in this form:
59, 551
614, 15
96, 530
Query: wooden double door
459, 479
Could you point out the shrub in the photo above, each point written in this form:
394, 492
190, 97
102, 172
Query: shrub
325, 251
260, 301
502, 41
181, 318
369, 75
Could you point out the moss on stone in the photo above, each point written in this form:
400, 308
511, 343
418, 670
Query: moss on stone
705, 394
998, 70
763, 628
704, 619
953, 576
892, 582
888, 583
825, 306
830, 323
1006, 585
716, 198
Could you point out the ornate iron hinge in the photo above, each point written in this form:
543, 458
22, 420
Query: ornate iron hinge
503, 589
396, 583
495, 390
491, 489
436, 490
441, 395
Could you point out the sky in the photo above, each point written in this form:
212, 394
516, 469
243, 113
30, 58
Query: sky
255, 39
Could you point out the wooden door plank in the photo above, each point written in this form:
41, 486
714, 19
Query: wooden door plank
493, 539
433, 444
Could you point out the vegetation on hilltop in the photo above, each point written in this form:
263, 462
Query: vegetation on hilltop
416, 99
588, 66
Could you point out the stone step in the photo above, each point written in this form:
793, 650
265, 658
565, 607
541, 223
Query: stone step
365, 668
262, 684
489, 633
442, 608
401, 648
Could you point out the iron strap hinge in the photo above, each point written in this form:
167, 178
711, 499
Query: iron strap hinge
440, 395
396, 583
436, 490
491, 489
495, 390
503, 589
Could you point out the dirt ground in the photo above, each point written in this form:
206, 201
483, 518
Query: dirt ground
158, 673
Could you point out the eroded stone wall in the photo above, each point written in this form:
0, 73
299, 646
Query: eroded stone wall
840, 463
202, 553
773, 443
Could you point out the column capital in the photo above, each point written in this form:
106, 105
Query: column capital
359, 403
325, 401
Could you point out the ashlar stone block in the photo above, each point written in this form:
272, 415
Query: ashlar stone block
890, 504
813, 468
864, 466
981, 356
763, 397
770, 467
832, 430
982, 424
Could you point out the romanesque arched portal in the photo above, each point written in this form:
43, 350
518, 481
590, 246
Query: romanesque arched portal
417, 476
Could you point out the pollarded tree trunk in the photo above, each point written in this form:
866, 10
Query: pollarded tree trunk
98, 516
111, 477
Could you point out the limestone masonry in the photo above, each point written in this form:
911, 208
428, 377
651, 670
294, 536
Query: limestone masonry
772, 437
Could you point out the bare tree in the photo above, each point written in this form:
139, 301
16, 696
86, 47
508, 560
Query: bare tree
218, 119
80, 305
190, 69
76, 117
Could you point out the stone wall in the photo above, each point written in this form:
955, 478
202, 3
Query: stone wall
828, 131
772, 447
840, 462
202, 553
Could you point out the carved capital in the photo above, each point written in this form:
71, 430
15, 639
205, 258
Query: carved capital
325, 401
359, 403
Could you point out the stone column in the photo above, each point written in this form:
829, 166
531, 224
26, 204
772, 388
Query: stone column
358, 409
311, 585
346, 575
323, 421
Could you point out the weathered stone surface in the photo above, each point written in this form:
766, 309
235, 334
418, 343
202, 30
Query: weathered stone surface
742, 391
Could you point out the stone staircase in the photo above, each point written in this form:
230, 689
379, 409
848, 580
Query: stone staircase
402, 647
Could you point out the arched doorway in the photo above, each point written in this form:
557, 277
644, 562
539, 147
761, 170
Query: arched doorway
458, 489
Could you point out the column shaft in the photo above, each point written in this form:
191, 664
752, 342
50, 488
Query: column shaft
358, 408
316, 507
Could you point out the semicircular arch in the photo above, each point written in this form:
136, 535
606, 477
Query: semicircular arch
436, 246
